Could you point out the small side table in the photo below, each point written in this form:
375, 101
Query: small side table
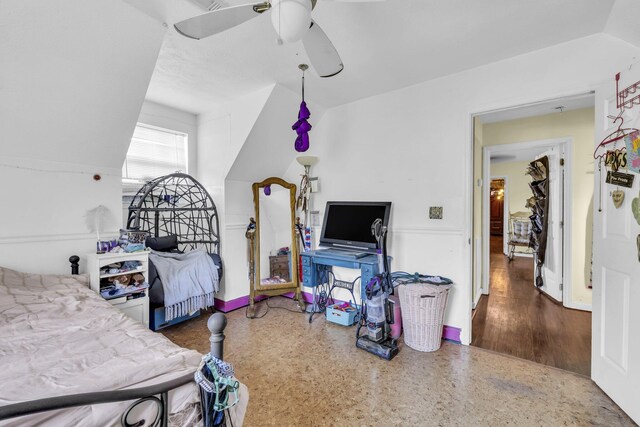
134, 304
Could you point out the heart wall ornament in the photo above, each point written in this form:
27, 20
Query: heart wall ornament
618, 198
635, 208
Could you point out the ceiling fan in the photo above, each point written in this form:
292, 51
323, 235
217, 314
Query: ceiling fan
291, 20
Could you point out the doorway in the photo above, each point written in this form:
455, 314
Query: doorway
512, 315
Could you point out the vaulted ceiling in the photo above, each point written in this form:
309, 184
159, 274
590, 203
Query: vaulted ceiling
384, 45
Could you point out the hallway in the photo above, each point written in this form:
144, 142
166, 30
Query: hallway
518, 320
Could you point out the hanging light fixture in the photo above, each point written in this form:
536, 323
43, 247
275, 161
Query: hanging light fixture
291, 19
302, 126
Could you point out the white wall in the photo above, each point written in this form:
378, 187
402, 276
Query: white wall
517, 190
414, 147
238, 203
42, 217
221, 135
74, 78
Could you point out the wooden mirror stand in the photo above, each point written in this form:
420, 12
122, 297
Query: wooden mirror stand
283, 213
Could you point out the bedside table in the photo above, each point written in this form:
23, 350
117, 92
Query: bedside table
134, 304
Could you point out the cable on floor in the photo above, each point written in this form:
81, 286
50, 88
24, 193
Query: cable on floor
266, 303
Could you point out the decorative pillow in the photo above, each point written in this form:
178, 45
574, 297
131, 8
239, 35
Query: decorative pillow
163, 244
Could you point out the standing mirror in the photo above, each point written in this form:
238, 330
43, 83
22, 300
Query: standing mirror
274, 245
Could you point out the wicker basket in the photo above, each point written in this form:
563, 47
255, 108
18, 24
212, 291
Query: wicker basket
423, 308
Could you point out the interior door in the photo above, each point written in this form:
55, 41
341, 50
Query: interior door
615, 352
497, 216
552, 268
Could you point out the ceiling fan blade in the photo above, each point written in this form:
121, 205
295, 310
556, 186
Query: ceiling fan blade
219, 20
323, 56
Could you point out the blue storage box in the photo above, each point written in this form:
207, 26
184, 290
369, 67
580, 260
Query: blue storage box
342, 316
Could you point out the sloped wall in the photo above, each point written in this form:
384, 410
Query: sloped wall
74, 74
242, 143
268, 149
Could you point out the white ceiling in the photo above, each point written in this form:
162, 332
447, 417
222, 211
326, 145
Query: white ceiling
540, 109
384, 46
516, 155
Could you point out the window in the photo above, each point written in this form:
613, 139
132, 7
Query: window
153, 152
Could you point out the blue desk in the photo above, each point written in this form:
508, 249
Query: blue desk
316, 263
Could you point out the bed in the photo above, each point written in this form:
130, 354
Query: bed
59, 338
179, 215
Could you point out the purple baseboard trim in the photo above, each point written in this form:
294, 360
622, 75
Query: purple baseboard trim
234, 304
449, 333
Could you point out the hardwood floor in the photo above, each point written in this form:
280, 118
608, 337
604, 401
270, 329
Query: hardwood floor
518, 320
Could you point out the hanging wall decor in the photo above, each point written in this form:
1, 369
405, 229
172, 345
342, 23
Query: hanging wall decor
616, 159
635, 208
632, 142
302, 126
617, 197
619, 178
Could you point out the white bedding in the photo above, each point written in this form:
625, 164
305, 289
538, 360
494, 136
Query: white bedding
57, 337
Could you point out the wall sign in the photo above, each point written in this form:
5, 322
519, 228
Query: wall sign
620, 179
616, 159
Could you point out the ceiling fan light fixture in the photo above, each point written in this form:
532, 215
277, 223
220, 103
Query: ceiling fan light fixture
291, 19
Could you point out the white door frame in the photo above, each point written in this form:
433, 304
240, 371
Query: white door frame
564, 143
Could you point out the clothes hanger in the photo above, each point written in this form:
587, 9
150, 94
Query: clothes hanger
614, 136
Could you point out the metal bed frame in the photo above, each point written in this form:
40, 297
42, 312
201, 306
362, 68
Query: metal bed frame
157, 393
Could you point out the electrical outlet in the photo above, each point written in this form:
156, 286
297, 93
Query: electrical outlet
435, 212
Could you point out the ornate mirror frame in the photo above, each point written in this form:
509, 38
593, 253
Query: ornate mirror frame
280, 288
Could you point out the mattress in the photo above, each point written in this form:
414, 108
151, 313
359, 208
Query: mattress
57, 337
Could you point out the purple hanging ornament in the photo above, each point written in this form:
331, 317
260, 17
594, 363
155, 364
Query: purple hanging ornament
302, 126
304, 112
267, 190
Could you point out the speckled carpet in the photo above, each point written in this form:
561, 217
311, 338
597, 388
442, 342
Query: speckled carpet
302, 374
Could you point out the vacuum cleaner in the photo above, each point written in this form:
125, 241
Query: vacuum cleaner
376, 310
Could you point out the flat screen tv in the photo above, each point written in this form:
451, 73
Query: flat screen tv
347, 225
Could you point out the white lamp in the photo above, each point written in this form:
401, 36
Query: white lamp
291, 19
307, 162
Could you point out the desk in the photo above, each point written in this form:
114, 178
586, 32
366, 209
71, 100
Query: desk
315, 263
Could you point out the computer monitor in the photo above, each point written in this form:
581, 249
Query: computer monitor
347, 225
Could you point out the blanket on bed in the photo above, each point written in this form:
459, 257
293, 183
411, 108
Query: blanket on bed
190, 281
58, 337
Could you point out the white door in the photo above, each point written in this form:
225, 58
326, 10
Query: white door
552, 268
615, 353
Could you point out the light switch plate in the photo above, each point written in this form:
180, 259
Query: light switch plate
435, 212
